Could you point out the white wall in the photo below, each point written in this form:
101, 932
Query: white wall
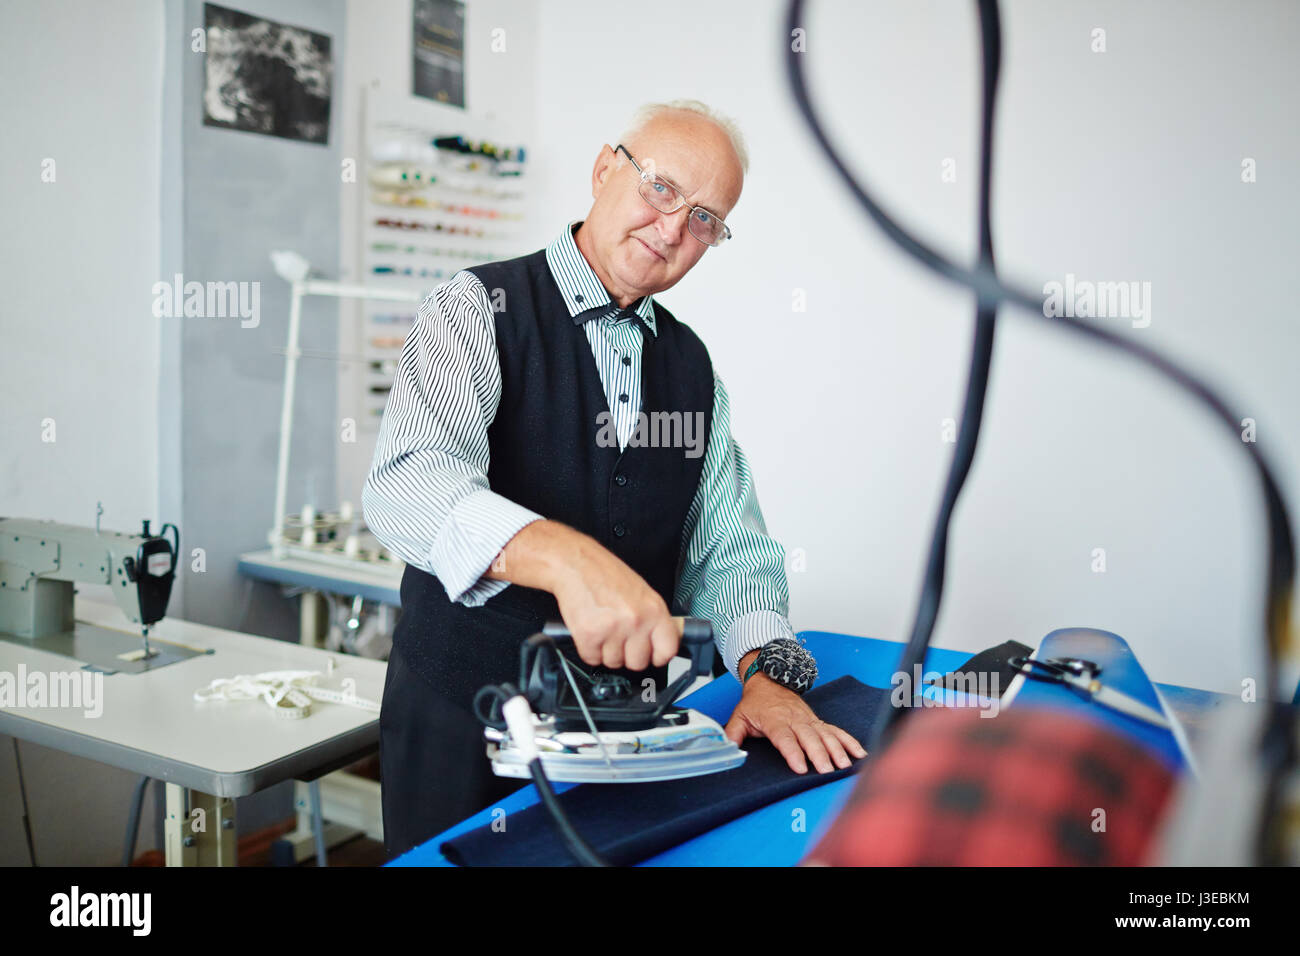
1114, 166
78, 258
78, 343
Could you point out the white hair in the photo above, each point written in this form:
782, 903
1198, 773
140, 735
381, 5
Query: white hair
645, 115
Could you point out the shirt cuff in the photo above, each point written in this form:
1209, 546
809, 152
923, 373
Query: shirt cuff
471, 537
751, 631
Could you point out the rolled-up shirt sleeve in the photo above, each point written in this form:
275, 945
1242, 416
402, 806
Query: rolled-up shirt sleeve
427, 497
732, 572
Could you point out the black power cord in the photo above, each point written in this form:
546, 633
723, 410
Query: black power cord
927, 611
489, 706
22, 792
990, 291
579, 847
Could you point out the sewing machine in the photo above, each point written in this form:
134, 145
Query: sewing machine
40, 561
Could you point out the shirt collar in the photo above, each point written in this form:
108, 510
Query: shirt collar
583, 293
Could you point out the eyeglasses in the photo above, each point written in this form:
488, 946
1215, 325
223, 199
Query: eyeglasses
664, 196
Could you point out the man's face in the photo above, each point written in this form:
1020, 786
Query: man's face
635, 249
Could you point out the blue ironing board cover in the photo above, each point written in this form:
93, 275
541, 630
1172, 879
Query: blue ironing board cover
790, 827
1120, 670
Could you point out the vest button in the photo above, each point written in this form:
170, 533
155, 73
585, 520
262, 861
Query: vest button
620, 479
619, 531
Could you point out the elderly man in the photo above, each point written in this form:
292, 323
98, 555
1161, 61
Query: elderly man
514, 475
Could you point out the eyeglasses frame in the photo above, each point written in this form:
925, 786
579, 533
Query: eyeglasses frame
681, 201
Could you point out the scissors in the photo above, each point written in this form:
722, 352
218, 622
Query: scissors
1080, 676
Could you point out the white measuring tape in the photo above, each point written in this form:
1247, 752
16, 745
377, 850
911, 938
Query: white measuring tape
288, 693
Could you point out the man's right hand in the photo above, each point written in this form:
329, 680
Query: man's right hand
616, 619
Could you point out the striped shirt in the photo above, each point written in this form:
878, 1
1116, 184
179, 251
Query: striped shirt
427, 497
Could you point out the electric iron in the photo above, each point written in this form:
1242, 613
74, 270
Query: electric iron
597, 728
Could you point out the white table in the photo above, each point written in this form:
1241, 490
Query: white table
373, 582
206, 752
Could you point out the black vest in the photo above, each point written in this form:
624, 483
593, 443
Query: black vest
545, 456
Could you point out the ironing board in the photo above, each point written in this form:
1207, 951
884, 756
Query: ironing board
871, 661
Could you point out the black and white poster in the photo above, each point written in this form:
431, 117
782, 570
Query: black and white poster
266, 77
438, 51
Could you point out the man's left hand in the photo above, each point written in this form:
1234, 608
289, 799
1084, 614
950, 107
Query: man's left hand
767, 709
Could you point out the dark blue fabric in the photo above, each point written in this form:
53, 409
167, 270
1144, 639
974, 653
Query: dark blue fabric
628, 822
